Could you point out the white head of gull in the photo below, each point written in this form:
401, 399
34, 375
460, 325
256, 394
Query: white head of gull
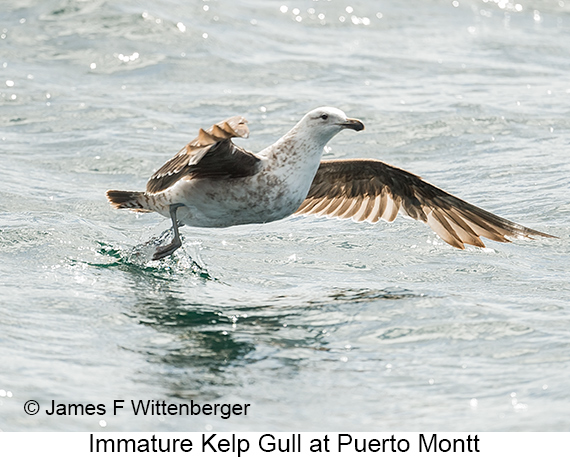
211, 182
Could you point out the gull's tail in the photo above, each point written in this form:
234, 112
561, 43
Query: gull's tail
126, 199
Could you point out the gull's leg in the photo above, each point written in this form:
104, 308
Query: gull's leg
165, 251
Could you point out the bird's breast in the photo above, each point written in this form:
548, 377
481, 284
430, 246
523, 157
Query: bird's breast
273, 193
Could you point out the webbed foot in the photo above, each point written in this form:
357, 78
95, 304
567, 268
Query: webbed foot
164, 251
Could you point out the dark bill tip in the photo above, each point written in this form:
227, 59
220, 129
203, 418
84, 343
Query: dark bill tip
353, 124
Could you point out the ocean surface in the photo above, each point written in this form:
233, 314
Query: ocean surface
317, 324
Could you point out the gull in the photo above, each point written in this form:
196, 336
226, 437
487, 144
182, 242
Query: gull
212, 182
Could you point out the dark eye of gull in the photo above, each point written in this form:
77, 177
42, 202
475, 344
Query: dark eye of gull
324, 117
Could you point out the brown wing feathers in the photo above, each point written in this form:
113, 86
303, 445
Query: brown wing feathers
211, 154
369, 190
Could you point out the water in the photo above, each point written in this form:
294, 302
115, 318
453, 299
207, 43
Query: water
318, 324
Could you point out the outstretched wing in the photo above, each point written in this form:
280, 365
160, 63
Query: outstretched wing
210, 155
370, 190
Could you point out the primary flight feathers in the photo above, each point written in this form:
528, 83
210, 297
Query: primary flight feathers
370, 190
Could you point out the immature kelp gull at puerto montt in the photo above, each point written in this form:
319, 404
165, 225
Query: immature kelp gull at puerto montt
212, 182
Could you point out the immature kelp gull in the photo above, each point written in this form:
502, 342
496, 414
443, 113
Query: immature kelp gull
212, 182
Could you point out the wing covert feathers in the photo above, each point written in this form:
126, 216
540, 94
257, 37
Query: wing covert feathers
370, 190
211, 154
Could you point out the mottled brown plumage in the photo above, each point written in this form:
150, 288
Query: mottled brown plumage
210, 155
370, 190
